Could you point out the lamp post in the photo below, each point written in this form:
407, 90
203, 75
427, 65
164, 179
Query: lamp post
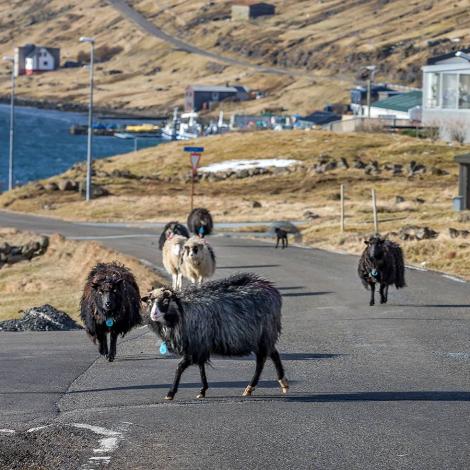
12, 121
91, 41
370, 79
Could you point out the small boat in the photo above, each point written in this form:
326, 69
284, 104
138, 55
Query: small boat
170, 130
189, 127
124, 135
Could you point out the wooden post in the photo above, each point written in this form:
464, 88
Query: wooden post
192, 188
342, 208
374, 209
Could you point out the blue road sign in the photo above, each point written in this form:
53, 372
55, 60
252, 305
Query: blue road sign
194, 149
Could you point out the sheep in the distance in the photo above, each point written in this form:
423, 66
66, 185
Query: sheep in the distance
281, 235
200, 222
170, 229
236, 316
382, 263
198, 260
172, 254
110, 304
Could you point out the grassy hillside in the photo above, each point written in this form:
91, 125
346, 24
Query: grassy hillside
330, 40
150, 185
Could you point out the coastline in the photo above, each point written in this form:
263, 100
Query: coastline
99, 111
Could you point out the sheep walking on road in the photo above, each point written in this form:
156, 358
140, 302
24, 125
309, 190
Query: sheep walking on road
236, 316
170, 229
110, 304
382, 263
198, 260
172, 257
200, 222
281, 235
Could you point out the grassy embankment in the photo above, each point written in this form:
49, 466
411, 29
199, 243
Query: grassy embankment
58, 276
162, 194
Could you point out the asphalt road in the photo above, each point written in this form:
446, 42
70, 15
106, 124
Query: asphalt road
371, 387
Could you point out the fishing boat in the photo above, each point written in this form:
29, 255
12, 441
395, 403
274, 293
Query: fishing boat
170, 130
189, 128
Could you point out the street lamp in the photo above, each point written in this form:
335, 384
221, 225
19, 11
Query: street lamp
370, 79
12, 120
91, 41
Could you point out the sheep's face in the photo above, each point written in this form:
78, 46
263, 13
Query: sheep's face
163, 308
193, 252
107, 295
375, 248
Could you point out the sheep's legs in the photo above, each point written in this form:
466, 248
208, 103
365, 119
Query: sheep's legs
276, 358
174, 279
383, 293
103, 343
277, 242
179, 281
260, 361
205, 385
182, 366
372, 294
112, 346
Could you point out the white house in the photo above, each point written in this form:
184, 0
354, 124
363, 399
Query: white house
31, 59
400, 106
446, 95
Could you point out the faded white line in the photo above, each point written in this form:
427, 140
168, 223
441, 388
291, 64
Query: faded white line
7, 431
38, 428
111, 237
415, 268
454, 278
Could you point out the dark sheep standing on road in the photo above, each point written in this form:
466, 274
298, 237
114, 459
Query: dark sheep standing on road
382, 263
110, 304
236, 316
170, 229
200, 222
281, 235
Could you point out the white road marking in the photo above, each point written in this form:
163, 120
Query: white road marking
415, 268
107, 444
111, 237
7, 431
454, 278
38, 428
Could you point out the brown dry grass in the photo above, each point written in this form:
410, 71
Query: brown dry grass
57, 277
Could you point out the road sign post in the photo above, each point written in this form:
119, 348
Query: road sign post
195, 154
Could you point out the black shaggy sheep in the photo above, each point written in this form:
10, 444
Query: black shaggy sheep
200, 222
170, 229
236, 316
381, 263
281, 236
110, 304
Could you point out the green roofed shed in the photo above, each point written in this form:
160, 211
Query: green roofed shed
402, 102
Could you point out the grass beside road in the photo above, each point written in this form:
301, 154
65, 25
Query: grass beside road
58, 276
161, 194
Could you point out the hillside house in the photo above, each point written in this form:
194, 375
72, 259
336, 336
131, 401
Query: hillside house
250, 9
315, 119
359, 96
198, 97
446, 94
31, 59
400, 106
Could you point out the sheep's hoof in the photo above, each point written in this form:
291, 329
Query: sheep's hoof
170, 396
110, 358
284, 385
201, 395
248, 391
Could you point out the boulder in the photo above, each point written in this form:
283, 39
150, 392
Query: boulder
456, 233
343, 163
310, 215
413, 232
68, 185
399, 199
438, 171
359, 164
51, 186
256, 204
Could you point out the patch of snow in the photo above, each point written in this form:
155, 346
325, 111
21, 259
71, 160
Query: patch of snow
236, 165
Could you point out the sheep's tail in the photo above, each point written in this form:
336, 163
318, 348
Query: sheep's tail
399, 262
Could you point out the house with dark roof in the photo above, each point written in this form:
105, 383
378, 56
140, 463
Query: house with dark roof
399, 106
315, 119
31, 59
198, 97
251, 9
446, 94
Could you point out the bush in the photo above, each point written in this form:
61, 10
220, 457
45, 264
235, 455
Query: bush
102, 54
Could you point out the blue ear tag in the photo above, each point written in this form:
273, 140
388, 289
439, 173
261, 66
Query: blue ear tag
374, 273
109, 322
163, 349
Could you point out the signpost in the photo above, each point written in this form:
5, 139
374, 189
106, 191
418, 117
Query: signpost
195, 154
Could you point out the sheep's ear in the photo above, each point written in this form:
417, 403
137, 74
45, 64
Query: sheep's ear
366, 242
145, 298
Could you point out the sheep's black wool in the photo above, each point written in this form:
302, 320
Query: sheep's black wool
200, 222
382, 263
170, 229
110, 304
281, 236
236, 316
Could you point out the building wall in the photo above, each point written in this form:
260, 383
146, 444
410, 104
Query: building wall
240, 12
245, 12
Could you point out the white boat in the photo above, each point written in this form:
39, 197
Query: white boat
189, 128
170, 130
123, 135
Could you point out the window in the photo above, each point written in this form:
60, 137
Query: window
449, 90
433, 90
45, 63
464, 91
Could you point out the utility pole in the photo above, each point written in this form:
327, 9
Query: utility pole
12, 122
370, 79
89, 159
